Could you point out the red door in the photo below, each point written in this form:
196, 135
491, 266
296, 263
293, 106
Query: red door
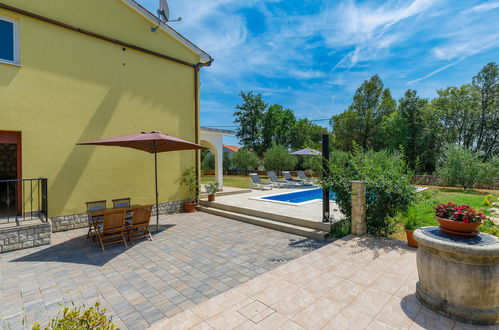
13, 137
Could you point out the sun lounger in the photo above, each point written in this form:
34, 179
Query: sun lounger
275, 181
287, 176
256, 182
306, 179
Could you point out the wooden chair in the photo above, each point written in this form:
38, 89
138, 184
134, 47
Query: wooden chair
140, 223
112, 229
123, 202
93, 206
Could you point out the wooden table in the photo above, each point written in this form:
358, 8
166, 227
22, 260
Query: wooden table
96, 216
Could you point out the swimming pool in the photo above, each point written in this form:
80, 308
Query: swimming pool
297, 197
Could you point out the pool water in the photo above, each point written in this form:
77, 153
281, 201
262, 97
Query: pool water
298, 196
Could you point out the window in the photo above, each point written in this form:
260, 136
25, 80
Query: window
8, 41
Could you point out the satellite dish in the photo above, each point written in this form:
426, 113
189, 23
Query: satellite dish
163, 10
164, 14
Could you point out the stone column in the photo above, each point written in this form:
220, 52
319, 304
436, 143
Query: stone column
359, 208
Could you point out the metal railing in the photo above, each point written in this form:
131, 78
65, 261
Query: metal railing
23, 199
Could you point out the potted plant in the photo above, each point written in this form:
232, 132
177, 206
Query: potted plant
410, 226
458, 220
189, 180
211, 189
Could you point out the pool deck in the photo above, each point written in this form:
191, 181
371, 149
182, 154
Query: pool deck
310, 211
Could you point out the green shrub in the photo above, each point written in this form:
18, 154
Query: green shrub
388, 186
211, 188
411, 224
245, 159
277, 158
416, 217
488, 200
427, 195
341, 229
463, 168
489, 227
80, 318
189, 180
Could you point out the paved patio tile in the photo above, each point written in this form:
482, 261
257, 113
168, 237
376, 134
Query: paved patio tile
193, 258
277, 300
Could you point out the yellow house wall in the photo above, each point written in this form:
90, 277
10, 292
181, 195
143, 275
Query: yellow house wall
71, 87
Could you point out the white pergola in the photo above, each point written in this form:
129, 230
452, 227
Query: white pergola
213, 139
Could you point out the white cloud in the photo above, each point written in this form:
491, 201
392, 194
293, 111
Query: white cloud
369, 29
485, 6
400, 40
445, 67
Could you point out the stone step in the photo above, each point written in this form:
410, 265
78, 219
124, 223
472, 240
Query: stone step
272, 224
271, 216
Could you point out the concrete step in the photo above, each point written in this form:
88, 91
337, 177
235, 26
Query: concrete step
271, 216
272, 224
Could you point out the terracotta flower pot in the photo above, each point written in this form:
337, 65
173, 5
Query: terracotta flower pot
410, 238
189, 207
211, 198
458, 226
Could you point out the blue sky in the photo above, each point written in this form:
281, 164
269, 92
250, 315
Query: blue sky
311, 55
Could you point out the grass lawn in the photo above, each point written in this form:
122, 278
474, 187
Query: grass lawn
422, 211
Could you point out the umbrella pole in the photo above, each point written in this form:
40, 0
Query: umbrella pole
156, 184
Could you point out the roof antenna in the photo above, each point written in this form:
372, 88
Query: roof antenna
164, 15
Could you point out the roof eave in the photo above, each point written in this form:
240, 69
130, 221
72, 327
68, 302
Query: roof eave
204, 57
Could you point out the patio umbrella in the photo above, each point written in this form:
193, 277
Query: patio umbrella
153, 143
306, 152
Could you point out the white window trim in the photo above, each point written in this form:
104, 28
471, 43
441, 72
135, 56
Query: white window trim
15, 23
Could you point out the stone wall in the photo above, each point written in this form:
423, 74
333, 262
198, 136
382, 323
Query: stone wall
22, 237
433, 180
74, 221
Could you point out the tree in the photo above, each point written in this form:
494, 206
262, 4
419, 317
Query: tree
227, 161
487, 84
431, 141
411, 109
207, 161
306, 134
277, 158
361, 123
314, 163
249, 117
276, 126
464, 168
459, 114
245, 159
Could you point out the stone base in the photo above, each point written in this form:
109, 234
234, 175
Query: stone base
463, 314
68, 222
22, 237
75, 221
459, 277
